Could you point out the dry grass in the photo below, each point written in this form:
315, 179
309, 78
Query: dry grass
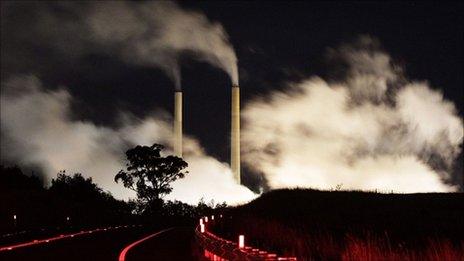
291, 240
352, 225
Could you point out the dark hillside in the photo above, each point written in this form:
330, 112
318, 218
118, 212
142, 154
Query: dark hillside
438, 214
351, 225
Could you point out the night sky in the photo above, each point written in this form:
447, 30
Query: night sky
276, 43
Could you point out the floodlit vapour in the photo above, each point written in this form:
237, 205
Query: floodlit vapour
149, 33
38, 130
37, 125
209, 179
159, 32
372, 130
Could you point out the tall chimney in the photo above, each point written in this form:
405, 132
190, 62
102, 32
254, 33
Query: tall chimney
178, 123
235, 134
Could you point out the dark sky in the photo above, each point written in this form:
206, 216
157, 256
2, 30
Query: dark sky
276, 42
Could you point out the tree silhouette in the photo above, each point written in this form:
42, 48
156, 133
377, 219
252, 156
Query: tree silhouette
73, 193
13, 178
149, 174
75, 187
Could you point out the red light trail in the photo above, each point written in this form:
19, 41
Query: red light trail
122, 255
62, 236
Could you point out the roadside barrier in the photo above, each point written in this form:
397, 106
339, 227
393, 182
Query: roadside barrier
219, 249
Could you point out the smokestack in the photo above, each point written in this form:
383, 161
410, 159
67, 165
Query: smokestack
178, 123
235, 134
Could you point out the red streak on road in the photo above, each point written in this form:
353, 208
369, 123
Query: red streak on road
122, 255
47, 240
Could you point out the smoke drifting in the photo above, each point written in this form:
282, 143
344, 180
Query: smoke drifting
38, 130
152, 33
37, 125
373, 129
158, 33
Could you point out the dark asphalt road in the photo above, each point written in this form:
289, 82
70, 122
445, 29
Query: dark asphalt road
102, 245
107, 245
175, 244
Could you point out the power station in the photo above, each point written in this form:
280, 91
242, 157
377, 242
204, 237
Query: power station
234, 132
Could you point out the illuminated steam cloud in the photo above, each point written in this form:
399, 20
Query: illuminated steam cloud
37, 130
37, 125
159, 32
151, 33
371, 130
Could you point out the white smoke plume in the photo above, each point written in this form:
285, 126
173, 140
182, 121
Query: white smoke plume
373, 130
37, 125
151, 33
38, 130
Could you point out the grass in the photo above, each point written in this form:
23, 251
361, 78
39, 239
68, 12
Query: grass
340, 225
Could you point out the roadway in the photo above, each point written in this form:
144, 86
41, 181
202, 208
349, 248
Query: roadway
173, 244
